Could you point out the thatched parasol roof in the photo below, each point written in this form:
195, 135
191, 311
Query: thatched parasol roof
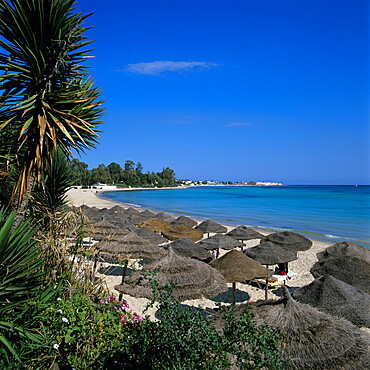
185, 247
312, 339
237, 267
165, 217
155, 224
345, 249
147, 213
153, 237
117, 210
183, 231
131, 211
104, 229
138, 219
183, 220
289, 240
269, 253
130, 246
132, 238
92, 213
220, 241
210, 226
244, 233
351, 270
337, 298
124, 224
193, 279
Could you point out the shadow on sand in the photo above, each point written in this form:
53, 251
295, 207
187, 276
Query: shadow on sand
226, 297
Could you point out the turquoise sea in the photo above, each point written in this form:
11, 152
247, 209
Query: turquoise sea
328, 213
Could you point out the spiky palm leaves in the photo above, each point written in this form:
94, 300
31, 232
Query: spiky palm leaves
21, 280
48, 204
47, 98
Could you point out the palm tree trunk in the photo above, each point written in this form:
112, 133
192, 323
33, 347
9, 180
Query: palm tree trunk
19, 203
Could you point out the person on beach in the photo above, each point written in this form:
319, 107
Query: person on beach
282, 269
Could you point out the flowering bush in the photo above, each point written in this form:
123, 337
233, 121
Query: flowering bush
125, 315
80, 329
185, 338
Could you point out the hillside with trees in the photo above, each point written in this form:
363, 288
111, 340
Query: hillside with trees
130, 175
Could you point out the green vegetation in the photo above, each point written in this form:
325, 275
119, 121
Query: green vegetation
48, 98
185, 338
113, 174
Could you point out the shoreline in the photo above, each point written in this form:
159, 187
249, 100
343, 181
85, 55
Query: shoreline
301, 266
262, 229
320, 227
94, 199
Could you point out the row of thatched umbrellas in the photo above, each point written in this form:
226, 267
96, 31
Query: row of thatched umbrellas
313, 339
120, 246
274, 249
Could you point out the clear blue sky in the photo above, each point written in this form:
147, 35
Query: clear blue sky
234, 90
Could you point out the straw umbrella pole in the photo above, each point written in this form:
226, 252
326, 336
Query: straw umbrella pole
268, 253
237, 267
194, 279
128, 246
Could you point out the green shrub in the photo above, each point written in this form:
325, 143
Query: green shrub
81, 329
185, 338
23, 293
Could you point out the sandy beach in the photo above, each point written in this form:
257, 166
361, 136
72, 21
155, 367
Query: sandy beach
301, 266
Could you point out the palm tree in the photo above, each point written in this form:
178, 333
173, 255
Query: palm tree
47, 98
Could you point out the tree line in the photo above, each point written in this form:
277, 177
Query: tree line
130, 175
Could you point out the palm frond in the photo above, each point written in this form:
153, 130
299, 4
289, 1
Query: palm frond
47, 98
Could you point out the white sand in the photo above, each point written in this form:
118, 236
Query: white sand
244, 291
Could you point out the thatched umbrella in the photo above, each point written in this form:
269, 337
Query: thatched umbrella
244, 233
183, 231
237, 267
131, 211
124, 224
183, 220
104, 229
147, 213
138, 219
345, 249
193, 279
289, 240
153, 237
117, 210
220, 241
311, 339
92, 213
351, 270
165, 217
185, 247
268, 253
210, 226
155, 224
126, 247
337, 298
129, 246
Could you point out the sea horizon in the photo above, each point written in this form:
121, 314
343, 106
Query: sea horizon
330, 213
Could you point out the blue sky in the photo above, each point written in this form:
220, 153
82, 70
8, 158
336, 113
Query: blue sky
234, 90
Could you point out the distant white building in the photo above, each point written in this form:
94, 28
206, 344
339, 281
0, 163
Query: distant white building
102, 186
